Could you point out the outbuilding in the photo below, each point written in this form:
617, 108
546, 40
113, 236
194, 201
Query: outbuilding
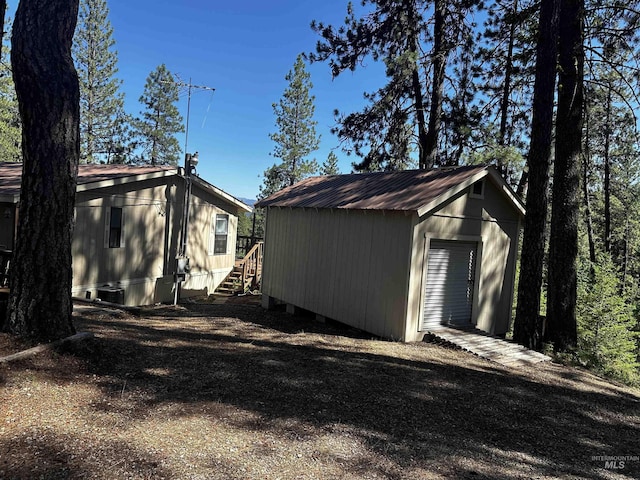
396, 254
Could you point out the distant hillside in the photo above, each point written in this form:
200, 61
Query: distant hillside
248, 201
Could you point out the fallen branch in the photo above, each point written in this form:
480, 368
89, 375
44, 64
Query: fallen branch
47, 346
101, 303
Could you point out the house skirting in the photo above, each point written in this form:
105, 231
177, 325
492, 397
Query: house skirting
148, 291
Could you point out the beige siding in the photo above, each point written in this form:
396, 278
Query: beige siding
139, 262
144, 265
367, 269
493, 223
208, 271
349, 266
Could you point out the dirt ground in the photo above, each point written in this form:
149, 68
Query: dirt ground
229, 391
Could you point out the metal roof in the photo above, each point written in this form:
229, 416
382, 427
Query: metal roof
11, 174
97, 176
407, 190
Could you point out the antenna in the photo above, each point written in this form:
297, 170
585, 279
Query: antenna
189, 86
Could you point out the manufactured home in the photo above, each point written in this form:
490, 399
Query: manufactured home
396, 254
129, 223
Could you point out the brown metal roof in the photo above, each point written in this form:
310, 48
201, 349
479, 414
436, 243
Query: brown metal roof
92, 176
407, 190
11, 174
100, 173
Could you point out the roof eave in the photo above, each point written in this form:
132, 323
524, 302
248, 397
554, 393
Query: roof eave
83, 187
452, 192
507, 191
437, 202
222, 194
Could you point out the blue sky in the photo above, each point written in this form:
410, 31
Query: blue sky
243, 50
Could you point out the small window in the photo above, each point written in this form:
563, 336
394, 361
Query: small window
115, 227
477, 190
219, 235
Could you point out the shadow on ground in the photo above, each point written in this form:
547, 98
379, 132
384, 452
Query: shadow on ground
416, 408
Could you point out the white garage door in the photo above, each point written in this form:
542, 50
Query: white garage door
448, 296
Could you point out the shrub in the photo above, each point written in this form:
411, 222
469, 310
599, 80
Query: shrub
606, 323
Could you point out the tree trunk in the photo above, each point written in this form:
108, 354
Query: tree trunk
587, 211
422, 128
48, 96
625, 256
416, 85
586, 160
527, 327
607, 174
439, 59
523, 183
3, 10
506, 87
563, 242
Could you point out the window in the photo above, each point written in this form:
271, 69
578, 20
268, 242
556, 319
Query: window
113, 228
219, 235
477, 190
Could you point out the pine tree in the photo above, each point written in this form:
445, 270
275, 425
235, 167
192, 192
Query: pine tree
414, 39
527, 329
101, 102
161, 120
296, 138
563, 238
48, 93
10, 124
606, 336
508, 56
330, 165
3, 9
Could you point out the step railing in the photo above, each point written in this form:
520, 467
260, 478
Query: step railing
244, 243
251, 266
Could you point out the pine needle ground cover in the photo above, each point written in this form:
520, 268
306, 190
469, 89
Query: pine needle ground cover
207, 391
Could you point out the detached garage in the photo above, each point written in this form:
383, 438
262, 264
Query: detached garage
396, 254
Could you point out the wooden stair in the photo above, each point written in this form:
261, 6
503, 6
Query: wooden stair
232, 285
246, 274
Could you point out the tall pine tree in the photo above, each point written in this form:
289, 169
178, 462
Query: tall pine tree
527, 329
296, 137
330, 165
3, 9
415, 40
101, 103
10, 124
563, 238
48, 94
161, 120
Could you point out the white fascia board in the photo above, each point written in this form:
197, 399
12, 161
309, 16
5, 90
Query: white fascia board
496, 178
83, 187
221, 194
506, 189
452, 192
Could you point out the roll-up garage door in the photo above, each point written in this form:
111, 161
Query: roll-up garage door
448, 296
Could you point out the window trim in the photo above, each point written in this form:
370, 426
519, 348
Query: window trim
473, 193
109, 231
213, 235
